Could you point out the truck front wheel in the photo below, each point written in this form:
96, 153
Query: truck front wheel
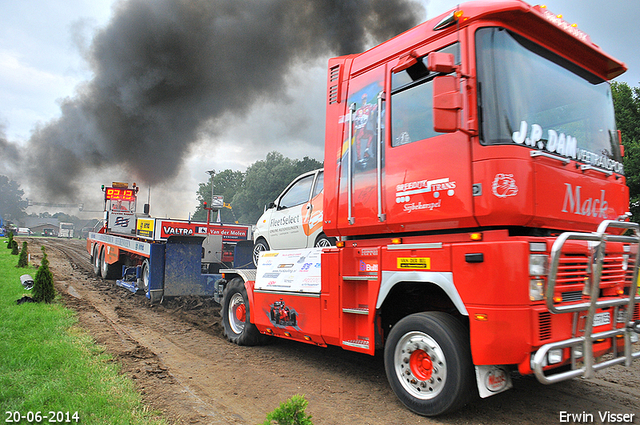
236, 316
428, 363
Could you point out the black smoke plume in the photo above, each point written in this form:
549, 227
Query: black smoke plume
164, 68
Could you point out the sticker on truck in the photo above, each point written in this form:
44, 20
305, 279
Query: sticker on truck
420, 263
295, 270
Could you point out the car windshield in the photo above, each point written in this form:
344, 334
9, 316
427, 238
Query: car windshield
530, 96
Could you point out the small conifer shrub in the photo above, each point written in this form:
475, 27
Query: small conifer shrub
14, 248
43, 290
290, 412
23, 260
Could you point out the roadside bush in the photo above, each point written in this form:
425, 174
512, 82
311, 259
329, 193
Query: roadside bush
290, 412
14, 248
43, 289
9, 240
23, 260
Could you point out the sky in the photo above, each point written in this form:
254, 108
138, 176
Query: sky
56, 60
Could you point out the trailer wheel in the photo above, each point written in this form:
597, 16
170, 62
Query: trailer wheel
428, 363
236, 316
144, 276
96, 260
108, 271
260, 246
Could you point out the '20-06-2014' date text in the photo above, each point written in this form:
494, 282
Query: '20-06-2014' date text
39, 417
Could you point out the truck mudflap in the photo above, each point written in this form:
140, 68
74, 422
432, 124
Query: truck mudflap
623, 327
245, 274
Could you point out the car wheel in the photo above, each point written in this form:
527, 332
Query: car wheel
260, 246
324, 241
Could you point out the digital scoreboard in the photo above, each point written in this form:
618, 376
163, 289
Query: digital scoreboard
119, 194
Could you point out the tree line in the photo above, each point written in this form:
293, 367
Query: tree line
247, 193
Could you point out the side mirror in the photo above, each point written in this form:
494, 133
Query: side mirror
271, 205
447, 101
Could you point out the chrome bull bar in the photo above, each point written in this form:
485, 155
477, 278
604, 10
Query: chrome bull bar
597, 242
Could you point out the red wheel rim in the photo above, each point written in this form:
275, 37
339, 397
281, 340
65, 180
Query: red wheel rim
421, 365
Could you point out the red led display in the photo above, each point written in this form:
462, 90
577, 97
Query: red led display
118, 194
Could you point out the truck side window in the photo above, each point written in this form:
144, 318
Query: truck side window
297, 194
412, 101
412, 114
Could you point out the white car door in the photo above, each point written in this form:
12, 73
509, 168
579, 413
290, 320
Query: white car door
286, 221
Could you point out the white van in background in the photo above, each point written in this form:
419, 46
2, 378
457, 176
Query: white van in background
65, 230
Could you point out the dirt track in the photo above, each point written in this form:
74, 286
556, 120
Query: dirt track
184, 367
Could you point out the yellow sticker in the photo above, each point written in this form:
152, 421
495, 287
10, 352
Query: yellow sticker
423, 263
145, 227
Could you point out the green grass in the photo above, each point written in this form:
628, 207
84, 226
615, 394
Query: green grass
47, 363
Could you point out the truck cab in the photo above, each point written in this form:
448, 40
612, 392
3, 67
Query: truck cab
457, 139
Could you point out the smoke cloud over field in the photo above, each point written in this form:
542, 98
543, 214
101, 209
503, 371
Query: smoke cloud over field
166, 70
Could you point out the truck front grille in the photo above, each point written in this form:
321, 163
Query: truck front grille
574, 271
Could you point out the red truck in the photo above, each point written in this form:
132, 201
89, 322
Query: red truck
473, 178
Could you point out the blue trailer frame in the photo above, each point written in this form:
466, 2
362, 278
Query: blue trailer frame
174, 266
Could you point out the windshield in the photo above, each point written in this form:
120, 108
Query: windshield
529, 96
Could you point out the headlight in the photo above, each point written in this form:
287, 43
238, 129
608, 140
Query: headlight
538, 246
577, 352
536, 289
538, 264
554, 356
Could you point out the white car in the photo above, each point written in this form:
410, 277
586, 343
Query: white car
294, 219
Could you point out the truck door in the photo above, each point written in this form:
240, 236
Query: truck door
428, 174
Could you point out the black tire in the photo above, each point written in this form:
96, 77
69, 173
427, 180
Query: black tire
236, 316
144, 277
427, 359
109, 271
324, 241
96, 260
260, 246
156, 297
